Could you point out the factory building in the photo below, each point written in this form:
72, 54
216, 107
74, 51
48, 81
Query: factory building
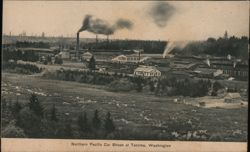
147, 71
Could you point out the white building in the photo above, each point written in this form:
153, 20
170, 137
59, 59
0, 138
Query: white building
132, 58
120, 58
147, 71
87, 56
65, 54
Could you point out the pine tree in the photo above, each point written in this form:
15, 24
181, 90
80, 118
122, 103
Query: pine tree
139, 86
35, 105
9, 106
67, 132
53, 113
16, 108
96, 122
3, 104
92, 65
109, 124
83, 122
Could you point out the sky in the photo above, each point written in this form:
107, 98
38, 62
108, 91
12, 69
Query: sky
189, 21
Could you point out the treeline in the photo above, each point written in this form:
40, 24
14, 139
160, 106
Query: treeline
97, 78
21, 68
81, 76
32, 120
234, 46
9, 54
121, 82
183, 87
25, 44
147, 46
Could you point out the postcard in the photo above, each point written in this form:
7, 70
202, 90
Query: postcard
127, 76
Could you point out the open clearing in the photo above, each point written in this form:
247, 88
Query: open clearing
134, 113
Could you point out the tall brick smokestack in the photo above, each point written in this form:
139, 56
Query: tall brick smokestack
96, 38
77, 45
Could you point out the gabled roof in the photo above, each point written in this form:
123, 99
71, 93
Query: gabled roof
117, 58
146, 69
87, 54
232, 95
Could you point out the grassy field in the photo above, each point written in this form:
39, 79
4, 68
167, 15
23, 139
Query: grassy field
136, 115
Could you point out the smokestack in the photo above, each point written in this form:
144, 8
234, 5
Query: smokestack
96, 38
107, 38
77, 45
107, 43
139, 55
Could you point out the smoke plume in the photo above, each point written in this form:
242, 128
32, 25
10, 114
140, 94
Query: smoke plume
123, 23
172, 45
208, 62
99, 26
161, 12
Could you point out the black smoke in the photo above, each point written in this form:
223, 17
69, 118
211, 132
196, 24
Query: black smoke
161, 12
99, 26
123, 23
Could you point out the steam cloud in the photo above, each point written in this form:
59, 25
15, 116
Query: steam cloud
99, 26
161, 12
172, 45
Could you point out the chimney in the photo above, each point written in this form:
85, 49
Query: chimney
139, 55
107, 38
77, 45
96, 38
107, 43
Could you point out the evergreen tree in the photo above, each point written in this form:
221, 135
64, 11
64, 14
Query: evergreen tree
217, 86
3, 104
58, 60
29, 122
152, 87
109, 125
139, 86
16, 108
35, 106
83, 122
9, 105
53, 113
96, 122
65, 131
92, 65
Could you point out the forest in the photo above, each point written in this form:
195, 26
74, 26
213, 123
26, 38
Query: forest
237, 47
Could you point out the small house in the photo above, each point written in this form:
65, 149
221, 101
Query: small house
232, 97
86, 56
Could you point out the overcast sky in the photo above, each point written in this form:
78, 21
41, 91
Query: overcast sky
189, 21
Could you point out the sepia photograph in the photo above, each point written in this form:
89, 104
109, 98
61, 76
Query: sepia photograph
125, 70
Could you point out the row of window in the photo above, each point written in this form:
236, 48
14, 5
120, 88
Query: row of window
236, 73
133, 58
147, 73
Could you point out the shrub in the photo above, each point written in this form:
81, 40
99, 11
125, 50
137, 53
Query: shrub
53, 115
109, 124
29, 122
12, 131
16, 108
96, 122
121, 85
35, 105
83, 123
